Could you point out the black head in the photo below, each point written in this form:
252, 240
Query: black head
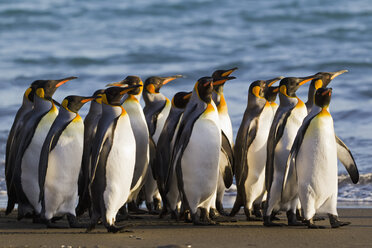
221, 76
204, 88
113, 95
181, 99
74, 103
30, 92
98, 95
323, 97
153, 84
322, 79
289, 85
46, 88
271, 93
130, 80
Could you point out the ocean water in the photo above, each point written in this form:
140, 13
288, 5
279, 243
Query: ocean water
104, 41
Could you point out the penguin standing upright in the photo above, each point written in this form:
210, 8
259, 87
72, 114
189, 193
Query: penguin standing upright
36, 126
139, 126
60, 162
225, 176
313, 158
250, 150
321, 80
113, 159
270, 95
12, 143
164, 170
287, 120
196, 152
90, 129
156, 110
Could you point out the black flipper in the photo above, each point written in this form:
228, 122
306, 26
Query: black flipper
189, 117
226, 148
152, 148
151, 114
49, 144
347, 159
275, 134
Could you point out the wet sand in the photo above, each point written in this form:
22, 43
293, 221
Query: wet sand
150, 231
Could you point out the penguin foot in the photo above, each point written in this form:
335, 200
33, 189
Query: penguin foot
50, 224
318, 218
310, 224
268, 223
250, 214
114, 229
73, 222
257, 211
292, 219
134, 209
335, 222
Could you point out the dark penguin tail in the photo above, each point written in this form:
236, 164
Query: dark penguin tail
237, 204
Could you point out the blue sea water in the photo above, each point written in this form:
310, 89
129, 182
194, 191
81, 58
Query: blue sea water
104, 41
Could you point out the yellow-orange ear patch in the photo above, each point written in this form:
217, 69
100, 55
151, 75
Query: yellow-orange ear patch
151, 88
40, 92
283, 90
318, 84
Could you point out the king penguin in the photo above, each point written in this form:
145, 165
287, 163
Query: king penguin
287, 120
113, 160
156, 110
313, 158
60, 162
36, 126
139, 126
225, 175
250, 150
196, 152
90, 129
270, 95
164, 170
12, 143
322, 79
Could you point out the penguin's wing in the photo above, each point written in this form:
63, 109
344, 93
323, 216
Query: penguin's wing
228, 151
31, 122
49, 144
191, 114
347, 159
151, 113
275, 134
152, 148
102, 144
290, 169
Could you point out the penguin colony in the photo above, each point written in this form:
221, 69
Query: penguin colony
178, 156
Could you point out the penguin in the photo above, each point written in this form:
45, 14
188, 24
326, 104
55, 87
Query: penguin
165, 171
60, 162
139, 126
270, 95
225, 177
313, 160
12, 143
36, 126
90, 129
113, 160
321, 81
156, 110
196, 152
250, 150
287, 120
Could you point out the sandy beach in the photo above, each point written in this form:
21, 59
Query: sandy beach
150, 231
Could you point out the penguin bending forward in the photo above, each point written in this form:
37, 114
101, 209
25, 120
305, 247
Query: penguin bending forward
250, 150
35, 129
196, 152
113, 160
60, 162
313, 160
